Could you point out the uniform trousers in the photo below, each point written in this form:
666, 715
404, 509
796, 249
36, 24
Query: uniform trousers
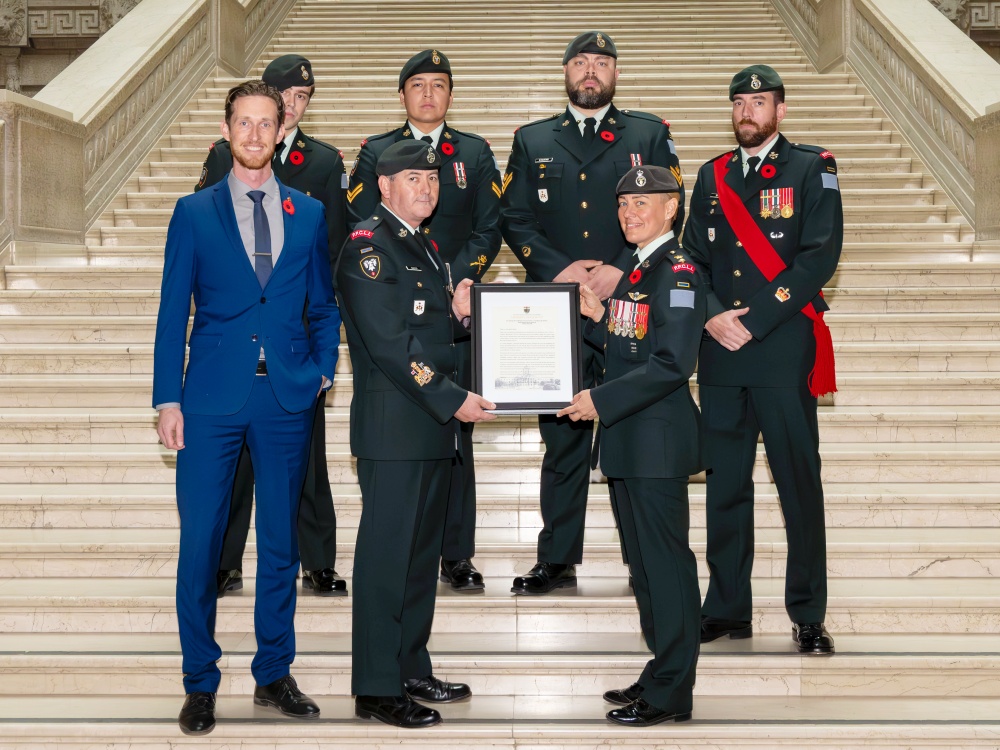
317, 519
653, 520
733, 417
565, 477
460, 518
278, 443
395, 571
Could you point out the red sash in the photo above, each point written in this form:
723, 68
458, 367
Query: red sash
823, 378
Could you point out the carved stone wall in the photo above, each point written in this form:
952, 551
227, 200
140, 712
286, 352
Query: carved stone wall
13, 23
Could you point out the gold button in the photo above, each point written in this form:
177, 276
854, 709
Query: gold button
583, 175
586, 235
420, 285
739, 244
736, 303
583, 205
737, 273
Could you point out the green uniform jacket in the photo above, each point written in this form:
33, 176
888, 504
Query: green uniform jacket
397, 312
319, 174
649, 424
782, 351
559, 202
464, 225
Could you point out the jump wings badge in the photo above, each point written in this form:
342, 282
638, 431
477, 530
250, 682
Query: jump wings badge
371, 266
421, 373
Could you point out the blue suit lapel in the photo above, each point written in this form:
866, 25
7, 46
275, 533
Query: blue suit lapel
224, 206
289, 224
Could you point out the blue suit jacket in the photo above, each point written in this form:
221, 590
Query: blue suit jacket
234, 318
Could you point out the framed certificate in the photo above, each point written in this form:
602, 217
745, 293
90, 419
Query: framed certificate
526, 346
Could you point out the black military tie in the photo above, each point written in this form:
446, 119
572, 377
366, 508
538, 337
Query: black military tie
752, 163
262, 264
589, 130
428, 139
278, 151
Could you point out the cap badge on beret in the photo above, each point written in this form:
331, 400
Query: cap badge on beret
600, 40
431, 156
754, 81
305, 73
640, 179
435, 57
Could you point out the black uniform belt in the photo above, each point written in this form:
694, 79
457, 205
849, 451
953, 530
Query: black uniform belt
261, 367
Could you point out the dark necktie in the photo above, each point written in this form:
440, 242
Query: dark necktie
262, 264
752, 163
278, 150
589, 130
428, 139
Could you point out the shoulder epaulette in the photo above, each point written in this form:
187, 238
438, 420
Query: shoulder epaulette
466, 134
326, 145
380, 136
807, 147
543, 120
644, 116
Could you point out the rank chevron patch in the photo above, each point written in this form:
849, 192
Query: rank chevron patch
353, 193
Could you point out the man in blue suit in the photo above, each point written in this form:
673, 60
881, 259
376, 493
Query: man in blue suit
253, 253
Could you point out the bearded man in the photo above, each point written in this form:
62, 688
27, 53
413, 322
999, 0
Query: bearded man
558, 214
766, 227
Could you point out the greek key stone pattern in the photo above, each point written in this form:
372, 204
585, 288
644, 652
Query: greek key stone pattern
55, 22
128, 116
952, 133
985, 14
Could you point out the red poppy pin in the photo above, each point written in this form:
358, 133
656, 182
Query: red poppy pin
211, 146
447, 149
768, 171
296, 158
288, 206
635, 276
607, 135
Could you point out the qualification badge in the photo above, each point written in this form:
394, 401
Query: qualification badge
543, 195
419, 306
782, 294
421, 373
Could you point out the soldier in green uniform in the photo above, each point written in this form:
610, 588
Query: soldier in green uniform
648, 437
557, 215
464, 231
766, 228
401, 320
316, 169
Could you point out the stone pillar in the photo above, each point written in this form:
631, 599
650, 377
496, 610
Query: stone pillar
13, 36
10, 73
833, 35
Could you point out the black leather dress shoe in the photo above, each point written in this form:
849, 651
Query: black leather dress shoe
624, 696
462, 575
735, 629
197, 715
324, 582
638, 713
433, 690
228, 580
812, 638
285, 696
545, 577
399, 711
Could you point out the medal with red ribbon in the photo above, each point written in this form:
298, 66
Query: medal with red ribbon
459, 167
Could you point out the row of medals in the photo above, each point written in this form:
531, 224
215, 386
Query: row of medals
626, 326
785, 212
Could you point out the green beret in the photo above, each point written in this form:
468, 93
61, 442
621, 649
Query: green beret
287, 71
755, 80
407, 154
428, 61
596, 42
647, 179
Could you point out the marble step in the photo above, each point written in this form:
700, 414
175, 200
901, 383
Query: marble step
838, 424
966, 553
488, 723
856, 605
842, 462
140, 505
551, 664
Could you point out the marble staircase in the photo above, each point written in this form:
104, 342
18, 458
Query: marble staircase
88, 527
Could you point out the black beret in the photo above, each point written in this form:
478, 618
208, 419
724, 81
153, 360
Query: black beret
651, 179
591, 41
755, 80
407, 154
287, 71
428, 61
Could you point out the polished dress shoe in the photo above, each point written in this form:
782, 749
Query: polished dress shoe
462, 575
324, 582
812, 638
624, 696
735, 629
433, 690
638, 713
285, 696
545, 577
399, 711
197, 715
228, 580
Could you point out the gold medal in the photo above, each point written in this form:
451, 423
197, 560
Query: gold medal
786, 212
640, 331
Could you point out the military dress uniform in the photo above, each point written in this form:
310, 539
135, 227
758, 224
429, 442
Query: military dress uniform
316, 169
464, 231
558, 206
794, 200
396, 305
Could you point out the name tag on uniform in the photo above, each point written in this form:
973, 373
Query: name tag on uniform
543, 160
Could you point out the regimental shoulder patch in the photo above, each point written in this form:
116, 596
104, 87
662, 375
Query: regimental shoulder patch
354, 192
371, 266
366, 233
683, 267
421, 373
826, 155
204, 176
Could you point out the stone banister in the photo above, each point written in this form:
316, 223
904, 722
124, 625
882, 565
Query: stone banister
939, 88
68, 151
